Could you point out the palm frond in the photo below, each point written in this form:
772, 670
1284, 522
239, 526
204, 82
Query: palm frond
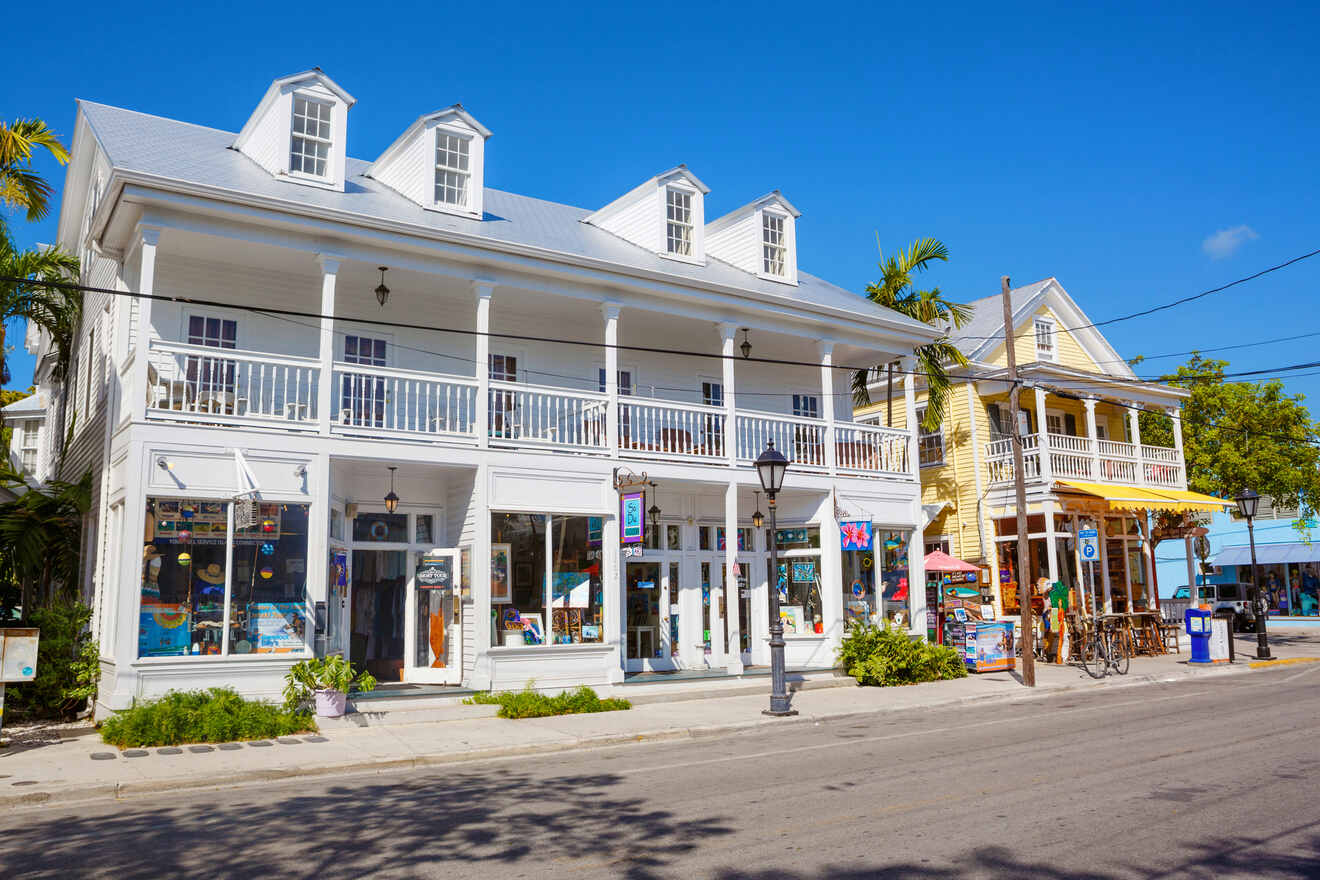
18, 140
922, 252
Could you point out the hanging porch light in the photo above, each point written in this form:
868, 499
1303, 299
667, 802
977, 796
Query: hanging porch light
382, 292
391, 500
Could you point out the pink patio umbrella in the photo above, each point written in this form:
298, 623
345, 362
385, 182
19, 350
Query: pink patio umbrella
938, 560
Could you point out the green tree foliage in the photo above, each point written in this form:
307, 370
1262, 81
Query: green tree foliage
32, 298
7, 397
1242, 435
40, 537
68, 663
896, 290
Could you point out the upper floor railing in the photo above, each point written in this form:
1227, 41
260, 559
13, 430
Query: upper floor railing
218, 386
1077, 458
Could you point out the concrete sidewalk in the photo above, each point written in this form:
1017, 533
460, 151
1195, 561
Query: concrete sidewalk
73, 763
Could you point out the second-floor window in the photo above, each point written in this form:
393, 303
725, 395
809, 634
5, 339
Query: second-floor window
503, 404
309, 151
678, 225
453, 168
930, 444
806, 406
1044, 340
362, 397
28, 446
210, 375
712, 394
773, 245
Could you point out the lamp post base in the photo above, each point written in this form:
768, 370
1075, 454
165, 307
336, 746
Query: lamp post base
779, 713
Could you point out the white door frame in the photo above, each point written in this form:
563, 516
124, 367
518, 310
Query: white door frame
665, 662
452, 671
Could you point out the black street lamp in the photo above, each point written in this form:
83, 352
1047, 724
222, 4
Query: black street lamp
1247, 502
770, 467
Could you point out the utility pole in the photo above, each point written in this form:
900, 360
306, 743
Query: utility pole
1027, 630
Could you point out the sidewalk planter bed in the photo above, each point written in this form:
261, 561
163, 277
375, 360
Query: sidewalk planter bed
211, 716
880, 656
325, 683
527, 703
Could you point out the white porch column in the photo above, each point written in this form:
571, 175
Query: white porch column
1134, 428
825, 348
149, 237
1191, 568
728, 334
325, 387
1043, 439
831, 572
1104, 563
916, 574
1051, 548
733, 645
908, 366
1175, 413
480, 677
1093, 435
318, 544
484, 290
611, 313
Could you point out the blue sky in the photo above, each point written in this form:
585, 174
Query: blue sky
1138, 154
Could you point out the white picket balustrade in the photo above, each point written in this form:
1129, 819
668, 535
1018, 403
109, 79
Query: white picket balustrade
530, 415
392, 402
801, 440
654, 427
223, 385
1070, 457
871, 449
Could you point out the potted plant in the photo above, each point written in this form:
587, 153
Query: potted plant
324, 681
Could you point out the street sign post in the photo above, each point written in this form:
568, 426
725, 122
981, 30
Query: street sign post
1089, 544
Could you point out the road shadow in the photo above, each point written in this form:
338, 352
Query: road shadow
443, 823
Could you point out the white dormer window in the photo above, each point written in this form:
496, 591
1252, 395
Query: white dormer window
310, 147
1044, 339
774, 245
453, 168
678, 230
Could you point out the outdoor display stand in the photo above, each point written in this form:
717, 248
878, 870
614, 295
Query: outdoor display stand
987, 646
953, 595
18, 659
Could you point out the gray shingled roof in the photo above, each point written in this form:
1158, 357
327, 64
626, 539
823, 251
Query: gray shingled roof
181, 151
988, 316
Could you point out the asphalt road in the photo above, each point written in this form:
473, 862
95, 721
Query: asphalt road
1211, 777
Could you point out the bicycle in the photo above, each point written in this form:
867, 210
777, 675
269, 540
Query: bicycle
1106, 647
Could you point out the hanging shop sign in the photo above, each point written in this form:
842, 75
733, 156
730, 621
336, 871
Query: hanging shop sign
435, 572
855, 535
632, 517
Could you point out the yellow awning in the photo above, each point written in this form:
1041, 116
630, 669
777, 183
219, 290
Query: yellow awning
1134, 498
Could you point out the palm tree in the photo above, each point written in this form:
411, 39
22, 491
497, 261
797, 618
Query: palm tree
895, 290
25, 293
20, 186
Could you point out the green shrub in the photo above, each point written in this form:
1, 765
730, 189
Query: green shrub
881, 657
68, 663
332, 673
214, 715
527, 703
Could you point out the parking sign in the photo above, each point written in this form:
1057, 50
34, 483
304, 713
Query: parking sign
1090, 541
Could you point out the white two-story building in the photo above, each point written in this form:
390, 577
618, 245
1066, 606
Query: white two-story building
288, 336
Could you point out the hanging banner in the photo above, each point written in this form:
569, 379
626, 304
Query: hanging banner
632, 517
855, 535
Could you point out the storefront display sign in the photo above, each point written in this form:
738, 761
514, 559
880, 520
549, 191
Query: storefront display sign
571, 589
163, 630
632, 517
280, 626
501, 588
855, 535
435, 572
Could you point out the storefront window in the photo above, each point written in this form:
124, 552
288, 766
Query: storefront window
268, 600
518, 578
891, 551
577, 597
188, 560
183, 577
673, 537
803, 538
422, 531
799, 594
387, 528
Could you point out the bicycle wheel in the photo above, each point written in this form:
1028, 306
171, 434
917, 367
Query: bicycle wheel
1093, 656
1121, 654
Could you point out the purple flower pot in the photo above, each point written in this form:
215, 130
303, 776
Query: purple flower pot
331, 704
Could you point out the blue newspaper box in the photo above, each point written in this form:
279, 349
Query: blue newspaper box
1198, 627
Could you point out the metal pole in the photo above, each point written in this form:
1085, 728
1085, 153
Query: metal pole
1019, 479
779, 705
1262, 644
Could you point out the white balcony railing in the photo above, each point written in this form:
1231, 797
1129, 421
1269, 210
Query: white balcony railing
1073, 458
870, 449
529, 415
214, 385
680, 430
800, 439
384, 401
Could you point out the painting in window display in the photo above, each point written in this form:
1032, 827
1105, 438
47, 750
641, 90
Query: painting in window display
891, 548
577, 594
183, 578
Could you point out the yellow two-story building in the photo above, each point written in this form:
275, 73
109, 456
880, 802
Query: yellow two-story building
1084, 461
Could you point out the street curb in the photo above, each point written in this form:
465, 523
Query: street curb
125, 790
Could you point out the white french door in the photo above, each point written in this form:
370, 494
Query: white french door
433, 639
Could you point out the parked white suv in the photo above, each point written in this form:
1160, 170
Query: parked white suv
1237, 598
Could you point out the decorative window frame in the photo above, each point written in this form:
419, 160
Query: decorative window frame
1052, 331
789, 275
472, 202
697, 220
337, 111
925, 441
